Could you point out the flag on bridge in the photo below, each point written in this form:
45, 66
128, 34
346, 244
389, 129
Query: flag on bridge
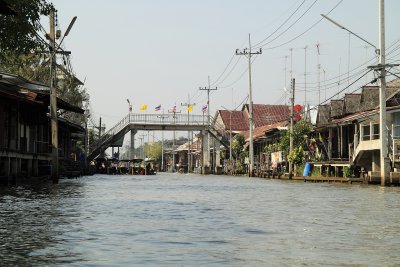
129, 105
143, 107
204, 108
173, 109
157, 108
190, 108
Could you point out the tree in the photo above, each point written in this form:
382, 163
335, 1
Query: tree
238, 143
153, 150
18, 33
301, 131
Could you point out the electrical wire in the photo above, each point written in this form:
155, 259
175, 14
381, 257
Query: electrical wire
304, 32
290, 26
223, 72
280, 26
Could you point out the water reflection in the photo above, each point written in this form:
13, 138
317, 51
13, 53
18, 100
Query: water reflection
194, 220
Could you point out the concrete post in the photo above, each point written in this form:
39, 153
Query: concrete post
375, 161
132, 147
205, 151
217, 157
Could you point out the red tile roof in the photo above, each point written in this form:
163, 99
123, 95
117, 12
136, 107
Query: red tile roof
268, 114
239, 121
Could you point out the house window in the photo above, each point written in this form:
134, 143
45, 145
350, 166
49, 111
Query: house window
375, 134
366, 132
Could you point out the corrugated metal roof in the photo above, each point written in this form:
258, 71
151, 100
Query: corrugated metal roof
352, 103
261, 131
337, 108
323, 114
362, 115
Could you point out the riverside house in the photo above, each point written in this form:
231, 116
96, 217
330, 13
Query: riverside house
25, 146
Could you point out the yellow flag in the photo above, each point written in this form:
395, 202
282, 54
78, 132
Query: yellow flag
190, 108
143, 107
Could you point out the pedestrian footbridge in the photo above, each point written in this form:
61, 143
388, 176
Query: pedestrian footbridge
155, 122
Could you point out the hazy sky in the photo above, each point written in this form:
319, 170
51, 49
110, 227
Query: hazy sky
158, 52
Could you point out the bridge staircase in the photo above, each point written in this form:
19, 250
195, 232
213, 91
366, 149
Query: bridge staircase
113, 135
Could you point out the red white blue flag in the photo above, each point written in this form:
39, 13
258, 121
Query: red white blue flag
173, 109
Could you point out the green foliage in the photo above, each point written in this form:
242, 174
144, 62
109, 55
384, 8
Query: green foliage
239, 167
30, 66
347, 172
238, 143
271, 148
297, 155
301, 130
153, 150
18, 33
316, 172
299, 168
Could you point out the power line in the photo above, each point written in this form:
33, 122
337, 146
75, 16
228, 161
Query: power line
280, 26
290, 26
304, 32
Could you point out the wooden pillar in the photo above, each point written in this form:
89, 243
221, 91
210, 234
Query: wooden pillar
35, 167
13, 170
339, 133
330, 143
7, 167
29, 168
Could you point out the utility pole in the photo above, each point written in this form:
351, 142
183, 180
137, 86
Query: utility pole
189, 106
53, 50
319, 75
162, 117
174, 137
53, 100
305, 80
249, 53
291, 127
208, 89
291, 63
286, 57
381, 69
382, 96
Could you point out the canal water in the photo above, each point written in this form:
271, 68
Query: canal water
193, 220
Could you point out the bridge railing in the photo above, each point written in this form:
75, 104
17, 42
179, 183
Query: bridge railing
177, 119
